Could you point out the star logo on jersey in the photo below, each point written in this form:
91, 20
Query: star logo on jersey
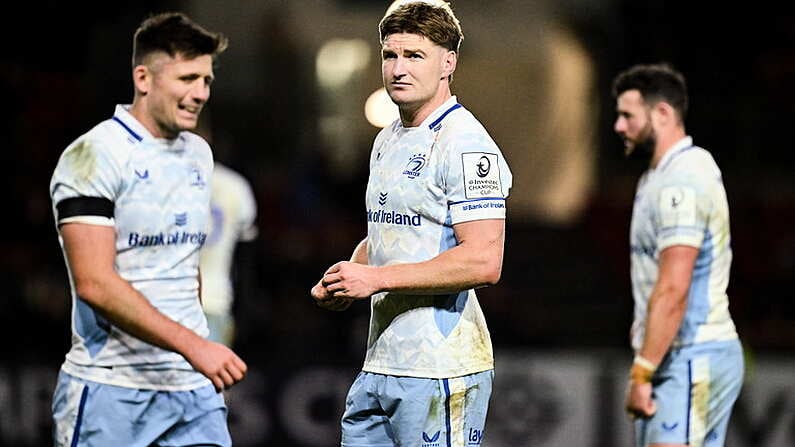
431, 440
484, 166
382, 198
414, 166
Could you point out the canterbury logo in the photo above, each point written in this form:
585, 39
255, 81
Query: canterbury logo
433, 438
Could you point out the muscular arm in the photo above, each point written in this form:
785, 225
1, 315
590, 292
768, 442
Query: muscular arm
90, 252
667, 306
668, 301
474, 262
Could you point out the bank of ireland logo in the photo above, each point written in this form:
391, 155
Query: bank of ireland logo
431, 440
484, 166
414, 166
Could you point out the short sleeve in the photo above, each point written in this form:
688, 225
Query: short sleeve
478, 179
85, 184
682, 210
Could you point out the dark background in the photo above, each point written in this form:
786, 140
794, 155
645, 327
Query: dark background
566, 285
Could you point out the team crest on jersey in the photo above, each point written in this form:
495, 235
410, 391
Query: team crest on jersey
414, 166
196, 178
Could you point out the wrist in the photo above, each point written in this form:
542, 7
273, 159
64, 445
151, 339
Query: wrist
642, 370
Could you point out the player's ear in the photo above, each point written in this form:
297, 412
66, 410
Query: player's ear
663, 114
449, 61
142, 79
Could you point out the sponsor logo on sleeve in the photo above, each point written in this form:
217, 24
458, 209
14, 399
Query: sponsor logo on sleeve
481, 175
677, 206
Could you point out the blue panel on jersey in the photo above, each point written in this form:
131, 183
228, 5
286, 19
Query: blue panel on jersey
449, 307
448, 311
93, 331
698, 298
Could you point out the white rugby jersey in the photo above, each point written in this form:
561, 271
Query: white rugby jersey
424, 180
682, 202
233, 210
156, 194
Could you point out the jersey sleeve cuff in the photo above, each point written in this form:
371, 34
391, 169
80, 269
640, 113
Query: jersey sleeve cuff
477, 210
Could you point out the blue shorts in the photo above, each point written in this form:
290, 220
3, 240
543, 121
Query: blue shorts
91, 414
385, 411
694, 388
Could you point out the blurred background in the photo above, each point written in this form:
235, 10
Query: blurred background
288, 112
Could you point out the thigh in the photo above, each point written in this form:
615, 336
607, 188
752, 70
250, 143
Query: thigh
365, 423
203, 421
439, 412
694, 392
89, 414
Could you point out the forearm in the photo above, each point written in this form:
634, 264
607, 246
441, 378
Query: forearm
459, 268
664, 318
125, 307
359, 255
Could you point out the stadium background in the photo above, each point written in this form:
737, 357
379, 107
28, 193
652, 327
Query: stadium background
291, 119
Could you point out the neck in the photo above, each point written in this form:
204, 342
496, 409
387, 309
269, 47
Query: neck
664, 144
138, 111
412, 115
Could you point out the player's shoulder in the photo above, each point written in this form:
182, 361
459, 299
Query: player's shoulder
195, 142
693, 162
461, 128
107, 140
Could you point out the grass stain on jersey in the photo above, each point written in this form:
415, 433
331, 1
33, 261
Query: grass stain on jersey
82, 160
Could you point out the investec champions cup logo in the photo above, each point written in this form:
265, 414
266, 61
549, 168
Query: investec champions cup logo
481, 175
414, 166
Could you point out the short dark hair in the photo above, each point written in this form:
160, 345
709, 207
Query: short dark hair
656, 83
436, 23
174, 33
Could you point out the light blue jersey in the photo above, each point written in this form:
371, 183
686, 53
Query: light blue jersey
156, 195
424, 180
682, 202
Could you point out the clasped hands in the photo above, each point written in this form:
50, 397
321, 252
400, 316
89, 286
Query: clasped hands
343, 283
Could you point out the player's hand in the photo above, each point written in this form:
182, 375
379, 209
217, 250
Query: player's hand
218, 363
639, 401
351, 280
326, 300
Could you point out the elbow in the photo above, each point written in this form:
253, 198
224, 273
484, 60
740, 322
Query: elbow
88, 290
490, 273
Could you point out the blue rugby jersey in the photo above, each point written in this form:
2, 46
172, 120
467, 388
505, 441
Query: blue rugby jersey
423, 180
156, 194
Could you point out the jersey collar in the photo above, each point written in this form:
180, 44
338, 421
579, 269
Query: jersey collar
678, 147
136, 130
434, 120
